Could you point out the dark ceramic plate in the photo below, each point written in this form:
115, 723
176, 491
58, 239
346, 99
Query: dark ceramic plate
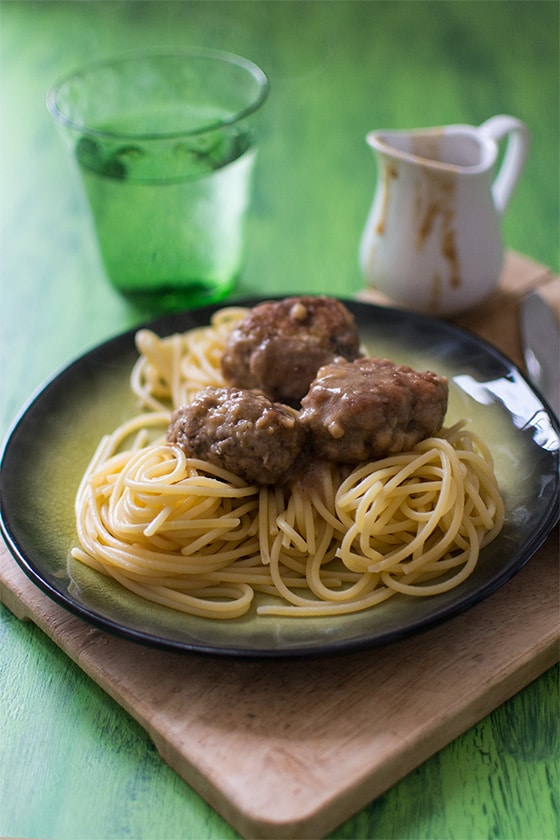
51, 443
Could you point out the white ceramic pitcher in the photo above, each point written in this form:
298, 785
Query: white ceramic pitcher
432, 241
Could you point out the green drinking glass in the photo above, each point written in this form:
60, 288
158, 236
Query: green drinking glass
165, 143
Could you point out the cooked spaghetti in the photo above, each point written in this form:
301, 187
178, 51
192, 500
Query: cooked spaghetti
336, 539
171, 371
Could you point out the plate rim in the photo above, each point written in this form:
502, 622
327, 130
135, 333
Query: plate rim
166, 324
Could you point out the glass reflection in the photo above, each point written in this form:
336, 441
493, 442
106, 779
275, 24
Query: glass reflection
515, 394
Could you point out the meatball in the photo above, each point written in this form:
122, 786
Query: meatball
371, 408
241, 431
279, 346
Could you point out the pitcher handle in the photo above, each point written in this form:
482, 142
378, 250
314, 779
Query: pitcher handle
514, 158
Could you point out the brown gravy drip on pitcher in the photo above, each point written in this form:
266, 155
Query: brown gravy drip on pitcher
435, 199
389, 173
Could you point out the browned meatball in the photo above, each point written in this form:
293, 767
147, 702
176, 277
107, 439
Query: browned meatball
280, 345
241, 431
371, 408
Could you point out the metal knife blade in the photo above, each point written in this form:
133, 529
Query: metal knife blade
540, 336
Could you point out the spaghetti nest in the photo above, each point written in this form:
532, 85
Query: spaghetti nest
191, 536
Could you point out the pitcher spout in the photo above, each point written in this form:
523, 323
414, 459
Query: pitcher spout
452, 147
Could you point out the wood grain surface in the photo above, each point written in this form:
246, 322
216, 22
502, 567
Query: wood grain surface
75, 765
290, 749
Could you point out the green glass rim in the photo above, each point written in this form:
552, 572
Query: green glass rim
205, 53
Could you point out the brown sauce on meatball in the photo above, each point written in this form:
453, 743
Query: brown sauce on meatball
371, 408
305, 351
241, 431
279, 346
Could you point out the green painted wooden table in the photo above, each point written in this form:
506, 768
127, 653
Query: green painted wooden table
73, 764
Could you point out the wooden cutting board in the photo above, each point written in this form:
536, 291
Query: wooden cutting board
293, 748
